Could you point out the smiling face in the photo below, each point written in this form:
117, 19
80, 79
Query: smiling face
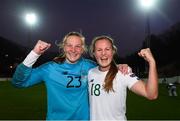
103, 52
73, 48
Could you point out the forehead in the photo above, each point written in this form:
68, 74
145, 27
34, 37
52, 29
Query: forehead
73, 39
103, 43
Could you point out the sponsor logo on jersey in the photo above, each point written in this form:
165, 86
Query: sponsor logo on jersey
134, 76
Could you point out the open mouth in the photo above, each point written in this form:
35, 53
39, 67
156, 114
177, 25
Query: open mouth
104, 59
73, 55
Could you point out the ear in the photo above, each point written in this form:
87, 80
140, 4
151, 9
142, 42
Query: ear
93, 55
114, 51
63, 49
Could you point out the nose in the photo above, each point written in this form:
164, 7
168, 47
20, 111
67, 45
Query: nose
103, 52
72, 49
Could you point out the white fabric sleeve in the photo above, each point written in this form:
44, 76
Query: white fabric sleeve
131, 80
30, 59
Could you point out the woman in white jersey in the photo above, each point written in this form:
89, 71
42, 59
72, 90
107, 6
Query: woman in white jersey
107, 85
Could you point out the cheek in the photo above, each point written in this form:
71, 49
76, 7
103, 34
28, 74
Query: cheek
112, 56
96, 55
111, 53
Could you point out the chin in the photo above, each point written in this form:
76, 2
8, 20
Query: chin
73, 61
104, 66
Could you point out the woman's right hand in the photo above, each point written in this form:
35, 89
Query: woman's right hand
41, 47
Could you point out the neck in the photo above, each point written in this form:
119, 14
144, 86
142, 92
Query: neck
104, 68
70, 62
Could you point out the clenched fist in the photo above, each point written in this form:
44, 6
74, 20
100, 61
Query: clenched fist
147, 55
41, 47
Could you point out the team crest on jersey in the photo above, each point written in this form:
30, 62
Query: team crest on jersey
65, 72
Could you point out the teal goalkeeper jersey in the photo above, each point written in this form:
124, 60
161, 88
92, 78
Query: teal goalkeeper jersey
66, 85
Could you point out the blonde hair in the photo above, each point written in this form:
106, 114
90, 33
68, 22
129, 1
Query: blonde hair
61, 45
108, 86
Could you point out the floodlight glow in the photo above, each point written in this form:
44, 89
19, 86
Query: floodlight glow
147, 3
31, 18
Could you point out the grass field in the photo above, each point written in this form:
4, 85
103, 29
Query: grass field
30, 104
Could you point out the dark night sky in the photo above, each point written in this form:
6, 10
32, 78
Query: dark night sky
123, 20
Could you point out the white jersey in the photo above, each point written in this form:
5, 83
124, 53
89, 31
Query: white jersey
112, 105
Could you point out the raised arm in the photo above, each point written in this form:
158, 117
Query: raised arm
38, 50
24, 75
150, 88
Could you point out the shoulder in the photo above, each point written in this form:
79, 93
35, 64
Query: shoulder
128, 77
48, 65
89, 63
94, 70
